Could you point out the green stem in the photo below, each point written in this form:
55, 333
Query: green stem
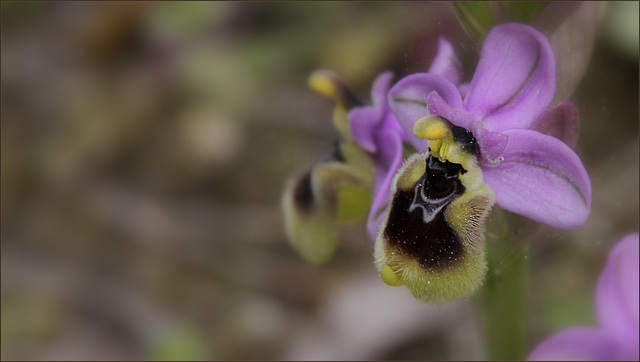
504, 295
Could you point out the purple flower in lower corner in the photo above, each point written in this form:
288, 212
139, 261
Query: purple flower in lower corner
616, 303
525, 150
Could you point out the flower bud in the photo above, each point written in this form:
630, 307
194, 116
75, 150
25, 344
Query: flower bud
316, 201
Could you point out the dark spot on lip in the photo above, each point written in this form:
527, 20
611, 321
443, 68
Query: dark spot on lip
434, 244
303, 193
303, 197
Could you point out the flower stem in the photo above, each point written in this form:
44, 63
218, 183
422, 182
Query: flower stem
504, 296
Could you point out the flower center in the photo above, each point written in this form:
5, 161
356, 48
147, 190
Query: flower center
446, 141
438, 186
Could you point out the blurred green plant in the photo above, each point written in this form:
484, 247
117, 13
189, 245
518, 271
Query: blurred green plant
478, 17
179, 343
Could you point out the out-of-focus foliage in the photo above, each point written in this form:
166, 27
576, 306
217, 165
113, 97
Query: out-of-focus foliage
476, 17
144, 148
621, 27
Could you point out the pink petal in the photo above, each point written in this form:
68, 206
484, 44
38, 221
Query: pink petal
379, 90
492, 144
387, 163
446, 63
439, 107
515, 78
363, 121
408, 101
541, 178
617, 293
577, 344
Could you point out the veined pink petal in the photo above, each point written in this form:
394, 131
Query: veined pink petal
515, 79
408, 101
446, 63
617, 293
541, 178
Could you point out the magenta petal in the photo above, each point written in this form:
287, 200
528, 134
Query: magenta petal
561, 122
459, 117
617, 293
541, 178
577, 344
463, 88
492, 144
515, 78
408, 101
446, 63
379, 90
387, 163
363, 122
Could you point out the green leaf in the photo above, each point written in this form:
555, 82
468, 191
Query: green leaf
178, 344
476, 18
524, 11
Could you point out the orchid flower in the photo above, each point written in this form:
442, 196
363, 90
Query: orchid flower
335, 189
376, 130
616, 303
524, 149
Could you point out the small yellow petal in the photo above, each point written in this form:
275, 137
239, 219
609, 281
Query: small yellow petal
324, 83
389, 277
431, 128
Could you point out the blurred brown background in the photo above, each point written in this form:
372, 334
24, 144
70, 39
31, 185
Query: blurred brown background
144, 150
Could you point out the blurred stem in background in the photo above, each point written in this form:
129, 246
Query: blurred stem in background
502, 300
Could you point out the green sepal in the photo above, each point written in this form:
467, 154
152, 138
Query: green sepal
341, 122
358, 159
476, 18
524, 11
353, 202
315, 236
